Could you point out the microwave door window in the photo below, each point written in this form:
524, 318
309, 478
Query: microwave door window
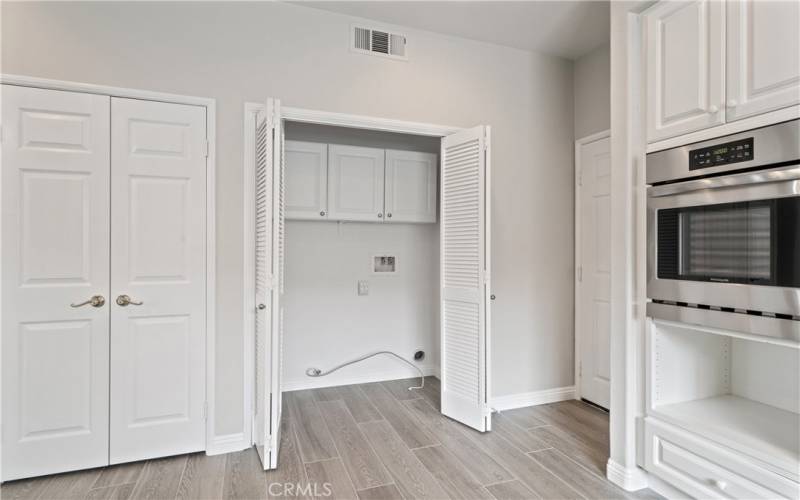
729, 243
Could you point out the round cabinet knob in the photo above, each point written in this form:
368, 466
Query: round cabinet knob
732, 103
322, 213
380, 216
713, 109
389, 215
492, 297
261, 307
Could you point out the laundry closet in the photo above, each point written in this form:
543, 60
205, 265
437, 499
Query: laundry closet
362, 253
368, 235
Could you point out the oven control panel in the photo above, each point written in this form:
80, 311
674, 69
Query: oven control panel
722, 154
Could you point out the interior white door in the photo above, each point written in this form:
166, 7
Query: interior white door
410, 188
355, 183
465, 271
594, 285
55, 220
158, 189
685, 67
306, 180
763, 56
269, 252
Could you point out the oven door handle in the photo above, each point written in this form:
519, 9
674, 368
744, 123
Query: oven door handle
780, 174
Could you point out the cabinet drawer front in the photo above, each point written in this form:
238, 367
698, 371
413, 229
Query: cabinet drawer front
705, 470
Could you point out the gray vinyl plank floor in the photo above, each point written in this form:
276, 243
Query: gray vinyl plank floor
374, 441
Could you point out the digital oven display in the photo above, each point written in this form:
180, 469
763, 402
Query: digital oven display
722, 154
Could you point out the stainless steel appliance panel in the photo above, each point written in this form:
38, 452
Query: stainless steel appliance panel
770, 145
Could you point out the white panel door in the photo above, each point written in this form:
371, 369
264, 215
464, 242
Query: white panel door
465, 277
158, 189
594, 272
55, 220
306, 180
269, 266
410, 188
763, 56
685, 71
355, 183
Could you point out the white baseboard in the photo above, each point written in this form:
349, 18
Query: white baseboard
361, 378
523, 399
629, 479
227, 443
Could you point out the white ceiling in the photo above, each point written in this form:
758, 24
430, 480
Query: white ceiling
564, 28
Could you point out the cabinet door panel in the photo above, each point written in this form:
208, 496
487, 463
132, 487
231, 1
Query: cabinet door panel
306, 180
355, 183
685, 67
410, 186
763, 57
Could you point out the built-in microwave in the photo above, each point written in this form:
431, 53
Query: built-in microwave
724, 222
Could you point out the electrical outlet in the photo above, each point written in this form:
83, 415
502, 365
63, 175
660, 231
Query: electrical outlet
363, 287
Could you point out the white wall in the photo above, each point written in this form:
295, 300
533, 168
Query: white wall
238, 52
328, 323
592, 87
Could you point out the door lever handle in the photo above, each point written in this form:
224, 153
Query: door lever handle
124, 300
94, 301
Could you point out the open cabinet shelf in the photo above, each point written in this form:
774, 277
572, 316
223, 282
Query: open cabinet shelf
740, 393
770, 434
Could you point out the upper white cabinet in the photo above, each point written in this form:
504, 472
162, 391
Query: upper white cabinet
763, 57
410, 190
685, 69
349, 183
709, 62
306, 180
355, 183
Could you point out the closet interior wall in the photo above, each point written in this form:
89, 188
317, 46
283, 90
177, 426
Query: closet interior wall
326, 321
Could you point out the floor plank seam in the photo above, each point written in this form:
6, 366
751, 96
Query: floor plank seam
338, 452
594, 473
556, 475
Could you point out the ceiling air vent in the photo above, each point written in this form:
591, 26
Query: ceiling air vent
378, 42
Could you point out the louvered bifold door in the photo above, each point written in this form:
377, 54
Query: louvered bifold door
263, 282
268, 281
465, 277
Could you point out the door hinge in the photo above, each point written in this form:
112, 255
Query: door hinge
206, 148
580, 177
205, 410
580, 369
487, 410
1, 133
580, 273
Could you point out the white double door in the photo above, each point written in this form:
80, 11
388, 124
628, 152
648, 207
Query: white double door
103, 280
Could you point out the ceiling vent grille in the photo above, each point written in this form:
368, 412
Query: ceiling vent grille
378, 42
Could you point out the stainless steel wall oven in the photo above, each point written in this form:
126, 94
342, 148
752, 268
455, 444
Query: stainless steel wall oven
724, 223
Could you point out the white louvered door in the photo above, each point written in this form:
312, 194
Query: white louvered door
269, 238
465, 277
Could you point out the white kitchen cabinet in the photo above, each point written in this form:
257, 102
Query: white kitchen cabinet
685, 52
410, 187
306, 180
763, 57
355, 183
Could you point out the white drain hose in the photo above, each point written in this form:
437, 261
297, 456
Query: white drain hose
316, 372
